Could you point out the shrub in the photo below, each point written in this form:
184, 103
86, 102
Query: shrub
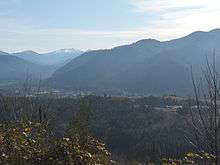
30, 143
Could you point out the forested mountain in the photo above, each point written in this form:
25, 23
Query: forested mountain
135, 129
148, 65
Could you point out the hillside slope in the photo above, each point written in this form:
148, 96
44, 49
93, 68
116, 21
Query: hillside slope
147, 66
14, 69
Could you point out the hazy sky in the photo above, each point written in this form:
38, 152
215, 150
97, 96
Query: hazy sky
45, 25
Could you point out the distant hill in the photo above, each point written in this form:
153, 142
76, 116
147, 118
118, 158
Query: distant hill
29, 55
147, 66
59, 57
14, 69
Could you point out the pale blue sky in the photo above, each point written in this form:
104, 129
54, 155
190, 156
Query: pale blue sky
45, 25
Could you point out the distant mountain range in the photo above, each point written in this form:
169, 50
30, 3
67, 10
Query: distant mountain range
147, 66
16, 67
53, 58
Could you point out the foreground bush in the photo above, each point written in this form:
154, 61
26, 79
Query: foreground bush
192, 159
31, 143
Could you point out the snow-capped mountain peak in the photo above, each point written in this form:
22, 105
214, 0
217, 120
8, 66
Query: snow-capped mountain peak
68, 51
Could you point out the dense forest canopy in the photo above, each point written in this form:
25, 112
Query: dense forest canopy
134, 129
